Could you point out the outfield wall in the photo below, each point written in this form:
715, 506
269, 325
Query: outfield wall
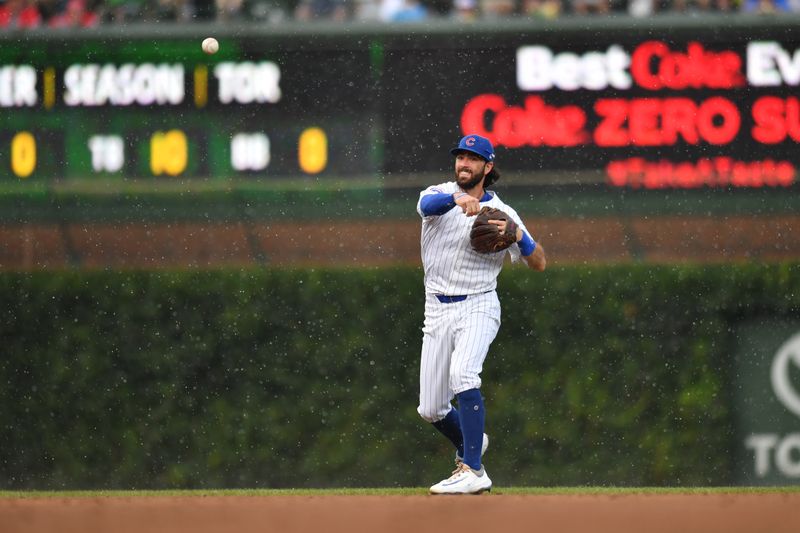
363, 242
308, 378
189, 226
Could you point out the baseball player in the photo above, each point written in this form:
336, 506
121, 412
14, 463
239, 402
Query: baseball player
462, 312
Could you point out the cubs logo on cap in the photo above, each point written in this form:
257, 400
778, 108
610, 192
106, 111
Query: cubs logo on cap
477, 145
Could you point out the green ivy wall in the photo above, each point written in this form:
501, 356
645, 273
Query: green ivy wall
308, 378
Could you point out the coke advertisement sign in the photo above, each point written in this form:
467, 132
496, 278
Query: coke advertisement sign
647, 114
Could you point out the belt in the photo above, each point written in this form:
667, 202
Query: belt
452, 299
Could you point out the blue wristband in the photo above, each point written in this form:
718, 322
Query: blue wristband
526, 244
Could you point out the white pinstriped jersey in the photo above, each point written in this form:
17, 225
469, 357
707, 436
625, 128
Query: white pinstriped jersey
451, 266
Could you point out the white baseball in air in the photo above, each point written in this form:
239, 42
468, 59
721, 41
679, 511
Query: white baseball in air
210, 45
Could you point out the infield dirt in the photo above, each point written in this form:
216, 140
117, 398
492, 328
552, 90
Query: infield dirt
644, 513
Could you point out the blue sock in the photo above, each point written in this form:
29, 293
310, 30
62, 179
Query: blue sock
472, 415
450, 426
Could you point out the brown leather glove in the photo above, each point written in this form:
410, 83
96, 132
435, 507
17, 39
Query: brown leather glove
486, 238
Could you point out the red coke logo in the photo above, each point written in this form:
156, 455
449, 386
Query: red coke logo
535, 124
655, 66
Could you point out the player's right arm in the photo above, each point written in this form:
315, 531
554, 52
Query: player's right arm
433, 201
469, 205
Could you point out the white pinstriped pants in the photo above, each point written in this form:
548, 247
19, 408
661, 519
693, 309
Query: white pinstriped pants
456, 338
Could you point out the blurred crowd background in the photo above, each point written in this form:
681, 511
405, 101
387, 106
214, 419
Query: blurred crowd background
23, 14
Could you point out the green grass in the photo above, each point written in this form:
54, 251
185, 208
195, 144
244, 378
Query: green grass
416, 491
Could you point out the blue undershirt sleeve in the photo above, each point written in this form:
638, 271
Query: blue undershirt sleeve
436, 204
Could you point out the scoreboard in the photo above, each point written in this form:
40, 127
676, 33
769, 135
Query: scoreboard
164, 109
622, 107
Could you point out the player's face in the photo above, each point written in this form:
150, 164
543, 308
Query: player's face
470, 170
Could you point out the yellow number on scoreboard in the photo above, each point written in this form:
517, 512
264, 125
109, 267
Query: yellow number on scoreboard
169, 152
23, 154
312, 152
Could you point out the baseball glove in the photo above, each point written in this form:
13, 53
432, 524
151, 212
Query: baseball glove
486, 238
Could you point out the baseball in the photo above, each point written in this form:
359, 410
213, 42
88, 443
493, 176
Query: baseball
210, 45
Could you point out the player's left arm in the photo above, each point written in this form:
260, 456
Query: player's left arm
536, 258
531, 251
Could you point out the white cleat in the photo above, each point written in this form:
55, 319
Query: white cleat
484, 445
464, 481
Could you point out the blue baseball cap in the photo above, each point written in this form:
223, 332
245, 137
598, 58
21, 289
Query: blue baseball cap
477, 145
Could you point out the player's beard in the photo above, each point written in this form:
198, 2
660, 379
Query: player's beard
472, 181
